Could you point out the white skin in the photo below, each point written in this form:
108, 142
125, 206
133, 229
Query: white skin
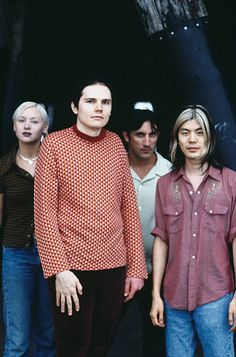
28, 128
192, 143
93, 112
142, 143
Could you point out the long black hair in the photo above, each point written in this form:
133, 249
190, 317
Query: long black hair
202, 116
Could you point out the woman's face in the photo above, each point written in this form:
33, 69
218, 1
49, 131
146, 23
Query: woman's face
29, 126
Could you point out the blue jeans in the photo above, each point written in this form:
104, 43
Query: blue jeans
209, 322
26, 305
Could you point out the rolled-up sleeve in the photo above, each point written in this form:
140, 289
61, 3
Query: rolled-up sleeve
160, 219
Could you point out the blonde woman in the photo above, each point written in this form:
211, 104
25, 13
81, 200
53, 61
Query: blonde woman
26, 306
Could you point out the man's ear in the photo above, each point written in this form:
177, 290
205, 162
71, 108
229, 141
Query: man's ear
125, 136
74, 108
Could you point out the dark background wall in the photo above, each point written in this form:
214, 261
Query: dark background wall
44, 45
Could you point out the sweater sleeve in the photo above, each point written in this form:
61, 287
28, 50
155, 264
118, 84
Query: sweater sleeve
49, 240
132, 227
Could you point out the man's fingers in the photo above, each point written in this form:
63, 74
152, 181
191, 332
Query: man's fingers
79, 287
62, 302
130, 295
232, 321
153, 318
68, 288
76, 301
231, 318
157, 312
127, 288
58, 297
161, 318
69, 305
158, 319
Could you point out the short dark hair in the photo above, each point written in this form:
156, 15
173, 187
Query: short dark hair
137, 117
78, 86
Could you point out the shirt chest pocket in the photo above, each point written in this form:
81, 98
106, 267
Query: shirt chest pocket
174, 218
215, 217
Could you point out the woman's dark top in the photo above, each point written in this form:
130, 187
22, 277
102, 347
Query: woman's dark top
17, 185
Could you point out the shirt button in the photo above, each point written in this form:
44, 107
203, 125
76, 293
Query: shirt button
193, 257
210, 211
194, 234
195, 213
28, 235
199, 192
190, 192
176, 213
140, 208
27, 245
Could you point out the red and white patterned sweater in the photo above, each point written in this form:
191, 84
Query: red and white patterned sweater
86, 215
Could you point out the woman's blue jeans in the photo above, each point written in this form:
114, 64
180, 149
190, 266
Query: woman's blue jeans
209, 322
27, 311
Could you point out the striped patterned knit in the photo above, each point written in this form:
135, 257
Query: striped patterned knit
86, 214
17, 186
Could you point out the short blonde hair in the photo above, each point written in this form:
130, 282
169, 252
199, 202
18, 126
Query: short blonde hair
26, 105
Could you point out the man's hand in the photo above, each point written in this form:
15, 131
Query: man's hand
131, 286
67, 288
157, 312
232, 314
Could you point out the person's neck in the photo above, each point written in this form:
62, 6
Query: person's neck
194, 168
29, 150
141, 166
195, 172
93, 132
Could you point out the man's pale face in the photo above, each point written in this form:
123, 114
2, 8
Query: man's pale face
94, 109
142, 142
191, 140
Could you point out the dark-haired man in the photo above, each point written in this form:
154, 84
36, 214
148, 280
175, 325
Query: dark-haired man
195, 228
87, 225
147, 165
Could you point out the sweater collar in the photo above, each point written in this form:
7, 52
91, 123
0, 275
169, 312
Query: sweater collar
86, 137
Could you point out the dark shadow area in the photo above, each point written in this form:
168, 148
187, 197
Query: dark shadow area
46, 45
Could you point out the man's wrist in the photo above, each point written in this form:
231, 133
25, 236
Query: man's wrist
61, 273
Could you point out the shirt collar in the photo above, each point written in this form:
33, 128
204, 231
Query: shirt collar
214, 172
86, 137
161, 168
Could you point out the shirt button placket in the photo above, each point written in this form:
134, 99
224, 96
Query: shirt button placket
193, 249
